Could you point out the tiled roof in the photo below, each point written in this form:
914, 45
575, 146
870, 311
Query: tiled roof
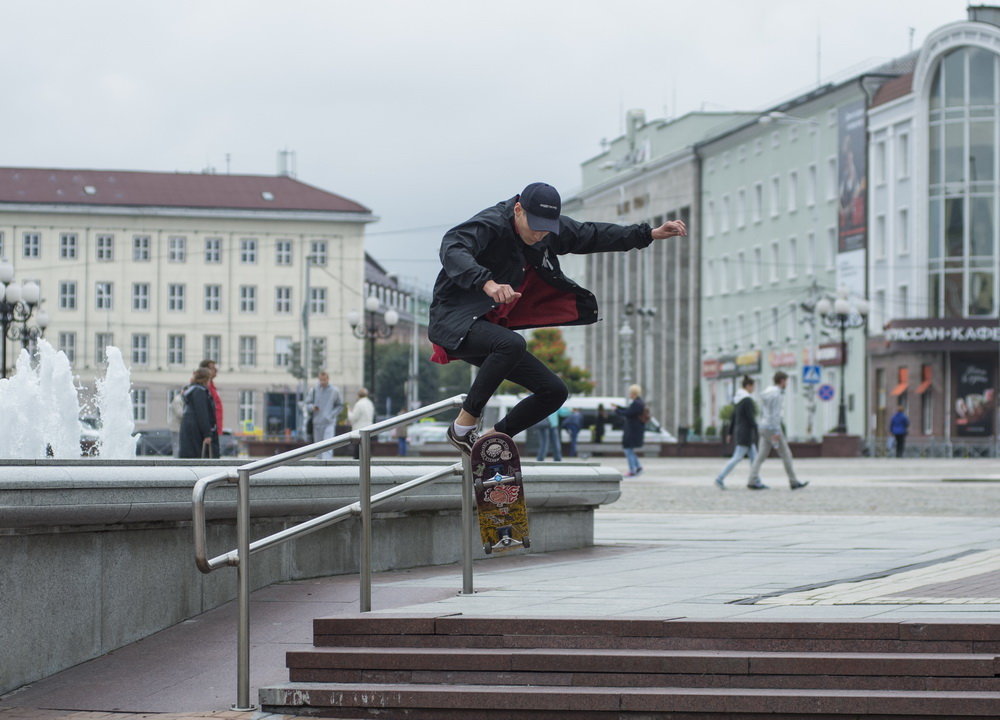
177, 190
892, 89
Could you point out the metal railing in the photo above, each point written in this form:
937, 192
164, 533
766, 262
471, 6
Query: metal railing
240, 556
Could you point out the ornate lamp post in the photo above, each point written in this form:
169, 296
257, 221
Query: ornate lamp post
842, 313
371, 329
625, 336
17, 305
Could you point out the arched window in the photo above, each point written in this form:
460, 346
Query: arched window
963, 142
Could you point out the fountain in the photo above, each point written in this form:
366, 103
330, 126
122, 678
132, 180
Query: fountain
42, 408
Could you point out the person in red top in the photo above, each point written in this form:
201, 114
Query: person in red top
500, 273
210, 366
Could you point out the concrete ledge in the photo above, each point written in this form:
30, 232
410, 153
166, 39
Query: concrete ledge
95, 556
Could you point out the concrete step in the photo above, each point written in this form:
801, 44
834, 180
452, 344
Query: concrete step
646, 668
431, 702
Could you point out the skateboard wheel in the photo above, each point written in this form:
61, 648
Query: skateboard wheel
478, 485
526, 542
487, 548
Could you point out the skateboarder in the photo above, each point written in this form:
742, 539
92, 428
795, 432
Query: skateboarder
501, 273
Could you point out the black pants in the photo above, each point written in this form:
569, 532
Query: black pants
502, 354
900, 444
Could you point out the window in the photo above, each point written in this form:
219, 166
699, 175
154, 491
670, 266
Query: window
141, 248
317, 248
880, 237
213, 298
248, 350
724, 215
140, 405
709, 277
724, 277
140, 296
903, 306
213, 250
880, 162
3, 250
791, 323
758, 202
67, 295
724, 334
104, 296
710, 219
102, 341
283, 253
811, 254
140, 349
811, 185
31, 245
775, 196
175, 349
881, 311
775, 261
758, 328
175, 297
758, 266
283, 299
105, 248
831, 244
741, 270
67, 343
177, 249
212, 348
793, 257
282, 352
903, 232
774, 325
902, 156
67, 246
775, 139
248, 251
710, 335
248, 298
831, 178
247, 408
793, 191
741, 208
317, 301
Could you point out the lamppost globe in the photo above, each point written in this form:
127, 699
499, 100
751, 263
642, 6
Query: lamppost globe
391, 318
841, 306
42, 319
353, 318
371, 303
6, 272
13, 293
31, 293
824, 306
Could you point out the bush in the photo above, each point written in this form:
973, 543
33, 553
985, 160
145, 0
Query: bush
711, 431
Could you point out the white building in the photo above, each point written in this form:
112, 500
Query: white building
174, 268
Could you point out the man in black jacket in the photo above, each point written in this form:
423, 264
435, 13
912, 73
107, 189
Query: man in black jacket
501, 273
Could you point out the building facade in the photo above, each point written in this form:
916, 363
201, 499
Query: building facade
934, 138
174, 268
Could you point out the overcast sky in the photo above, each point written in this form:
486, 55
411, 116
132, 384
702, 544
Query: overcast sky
425, 112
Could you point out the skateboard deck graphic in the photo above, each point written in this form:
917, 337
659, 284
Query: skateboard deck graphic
496, 476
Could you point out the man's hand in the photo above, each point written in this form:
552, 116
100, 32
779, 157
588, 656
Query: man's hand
671, 228
500, 293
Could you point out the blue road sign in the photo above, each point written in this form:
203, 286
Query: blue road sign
825, 392
811, 374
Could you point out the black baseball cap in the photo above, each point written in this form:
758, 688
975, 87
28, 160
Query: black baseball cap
541, 203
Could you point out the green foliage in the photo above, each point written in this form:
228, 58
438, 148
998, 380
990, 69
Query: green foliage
547, 345
711, 431
726, 413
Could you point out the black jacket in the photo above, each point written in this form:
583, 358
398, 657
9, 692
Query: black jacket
198, 421
745, 422
634, 429
486, 247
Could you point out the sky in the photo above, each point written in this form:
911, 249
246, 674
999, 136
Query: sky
425, 112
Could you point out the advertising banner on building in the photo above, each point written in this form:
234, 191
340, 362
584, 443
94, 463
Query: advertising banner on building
975, 397
852, 177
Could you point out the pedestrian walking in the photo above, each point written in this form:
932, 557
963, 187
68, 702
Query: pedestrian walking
744, 429
198, 424
361, 415
899, 426
211, 366
573, 424
325, 403
771, 435
175, 415
634, 428
548, 437
500, 273
599, 423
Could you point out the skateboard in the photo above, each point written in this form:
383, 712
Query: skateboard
496, 477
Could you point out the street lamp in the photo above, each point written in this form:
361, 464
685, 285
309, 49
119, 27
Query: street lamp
842, 313
625, 335
17, 304
371, 330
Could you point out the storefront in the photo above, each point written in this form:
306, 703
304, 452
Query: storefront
943, 373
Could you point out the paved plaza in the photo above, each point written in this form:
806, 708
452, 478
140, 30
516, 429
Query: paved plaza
885, 539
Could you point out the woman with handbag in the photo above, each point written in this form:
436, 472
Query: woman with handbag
198, 423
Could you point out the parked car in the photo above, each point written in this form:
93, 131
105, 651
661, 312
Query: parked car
422, 433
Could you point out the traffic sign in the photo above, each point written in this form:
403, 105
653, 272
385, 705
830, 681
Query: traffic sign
811, 374
825, 392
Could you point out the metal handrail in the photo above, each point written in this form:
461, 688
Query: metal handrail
363, 508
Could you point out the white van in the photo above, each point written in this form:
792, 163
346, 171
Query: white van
500, 405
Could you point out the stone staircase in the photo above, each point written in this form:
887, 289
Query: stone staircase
493, 668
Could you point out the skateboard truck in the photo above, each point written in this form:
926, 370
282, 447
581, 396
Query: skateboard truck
506, 541
497, 479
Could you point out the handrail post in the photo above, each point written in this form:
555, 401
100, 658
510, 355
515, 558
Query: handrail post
243, 593
365, 490
467, 524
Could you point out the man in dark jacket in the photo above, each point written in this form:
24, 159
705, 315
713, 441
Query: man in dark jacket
745, 436
501, 273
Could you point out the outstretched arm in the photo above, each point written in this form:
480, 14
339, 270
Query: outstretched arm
671, 228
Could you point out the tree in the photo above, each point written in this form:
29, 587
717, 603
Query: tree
547, 345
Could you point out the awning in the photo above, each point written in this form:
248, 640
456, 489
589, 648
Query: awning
904, 382
926, 380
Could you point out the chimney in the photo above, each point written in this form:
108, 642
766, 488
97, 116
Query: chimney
985, 14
